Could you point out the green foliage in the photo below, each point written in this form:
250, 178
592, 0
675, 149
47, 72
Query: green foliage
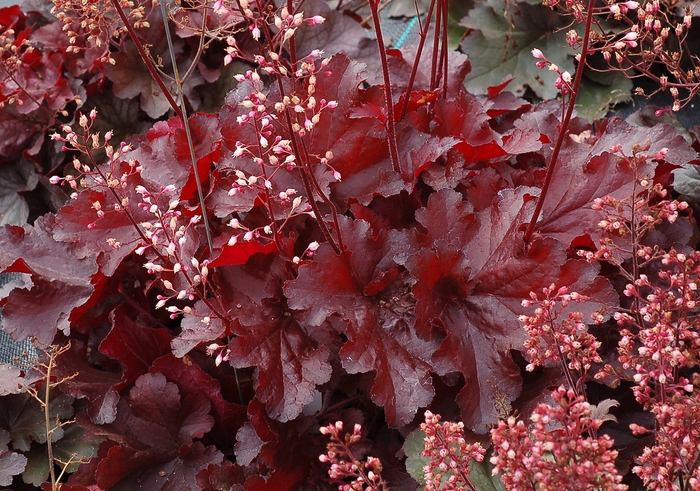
500, 42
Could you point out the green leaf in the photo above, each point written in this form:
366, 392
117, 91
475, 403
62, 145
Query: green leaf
455, 30
415, 461
15, 179
501, 43
594, 99
482, 477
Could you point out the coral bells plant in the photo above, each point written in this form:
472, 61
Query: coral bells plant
557, 451
249, 228
449, 453
365, 475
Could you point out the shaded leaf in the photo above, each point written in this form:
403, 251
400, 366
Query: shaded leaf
155, 430
497, 49
380, 332
82, 380
192, 379
23, 417
60, 286
593, 100
14, 179
134, 346
11, 464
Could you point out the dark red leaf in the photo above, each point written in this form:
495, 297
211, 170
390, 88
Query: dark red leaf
290, 364
77, 222
221, 477
82, 380
585, 172
470, 286
59, 286
465, 118
155, 430
198, 327
381, 336
359, 144
191, 379
64, 487
134, 346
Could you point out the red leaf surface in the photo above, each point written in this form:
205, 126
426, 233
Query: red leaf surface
155, 429
59, 286
192, 379
198, 327
134, 346
82, 380
380, 332
77, 222
585, 172
221, 477
290, 364
470, 286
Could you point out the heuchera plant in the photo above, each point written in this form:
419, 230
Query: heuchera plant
324, 244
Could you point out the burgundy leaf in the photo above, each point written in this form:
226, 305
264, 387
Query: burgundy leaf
77, 222
470, 286
82, 380
221, 477
585, 172
155, 430
191, 379
59, 286
290, 364
134, 346
199, 326
380, 332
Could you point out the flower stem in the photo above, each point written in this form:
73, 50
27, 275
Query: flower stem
390, 124
563, 130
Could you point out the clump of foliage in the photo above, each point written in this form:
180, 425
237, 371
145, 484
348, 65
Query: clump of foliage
290, 233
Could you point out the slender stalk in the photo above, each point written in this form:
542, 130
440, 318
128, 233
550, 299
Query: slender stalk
563, 131
188, 131
147, 60
414, 70
390, 124
47, 421
445, 46
436, 43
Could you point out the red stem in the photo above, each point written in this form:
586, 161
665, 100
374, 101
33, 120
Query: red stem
444, 48
564, 125
390, 124
414, 70
436, 42
147, 60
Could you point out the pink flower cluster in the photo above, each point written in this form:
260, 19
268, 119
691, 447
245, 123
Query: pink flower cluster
345, 466
449, 454
557, 452
552, 338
